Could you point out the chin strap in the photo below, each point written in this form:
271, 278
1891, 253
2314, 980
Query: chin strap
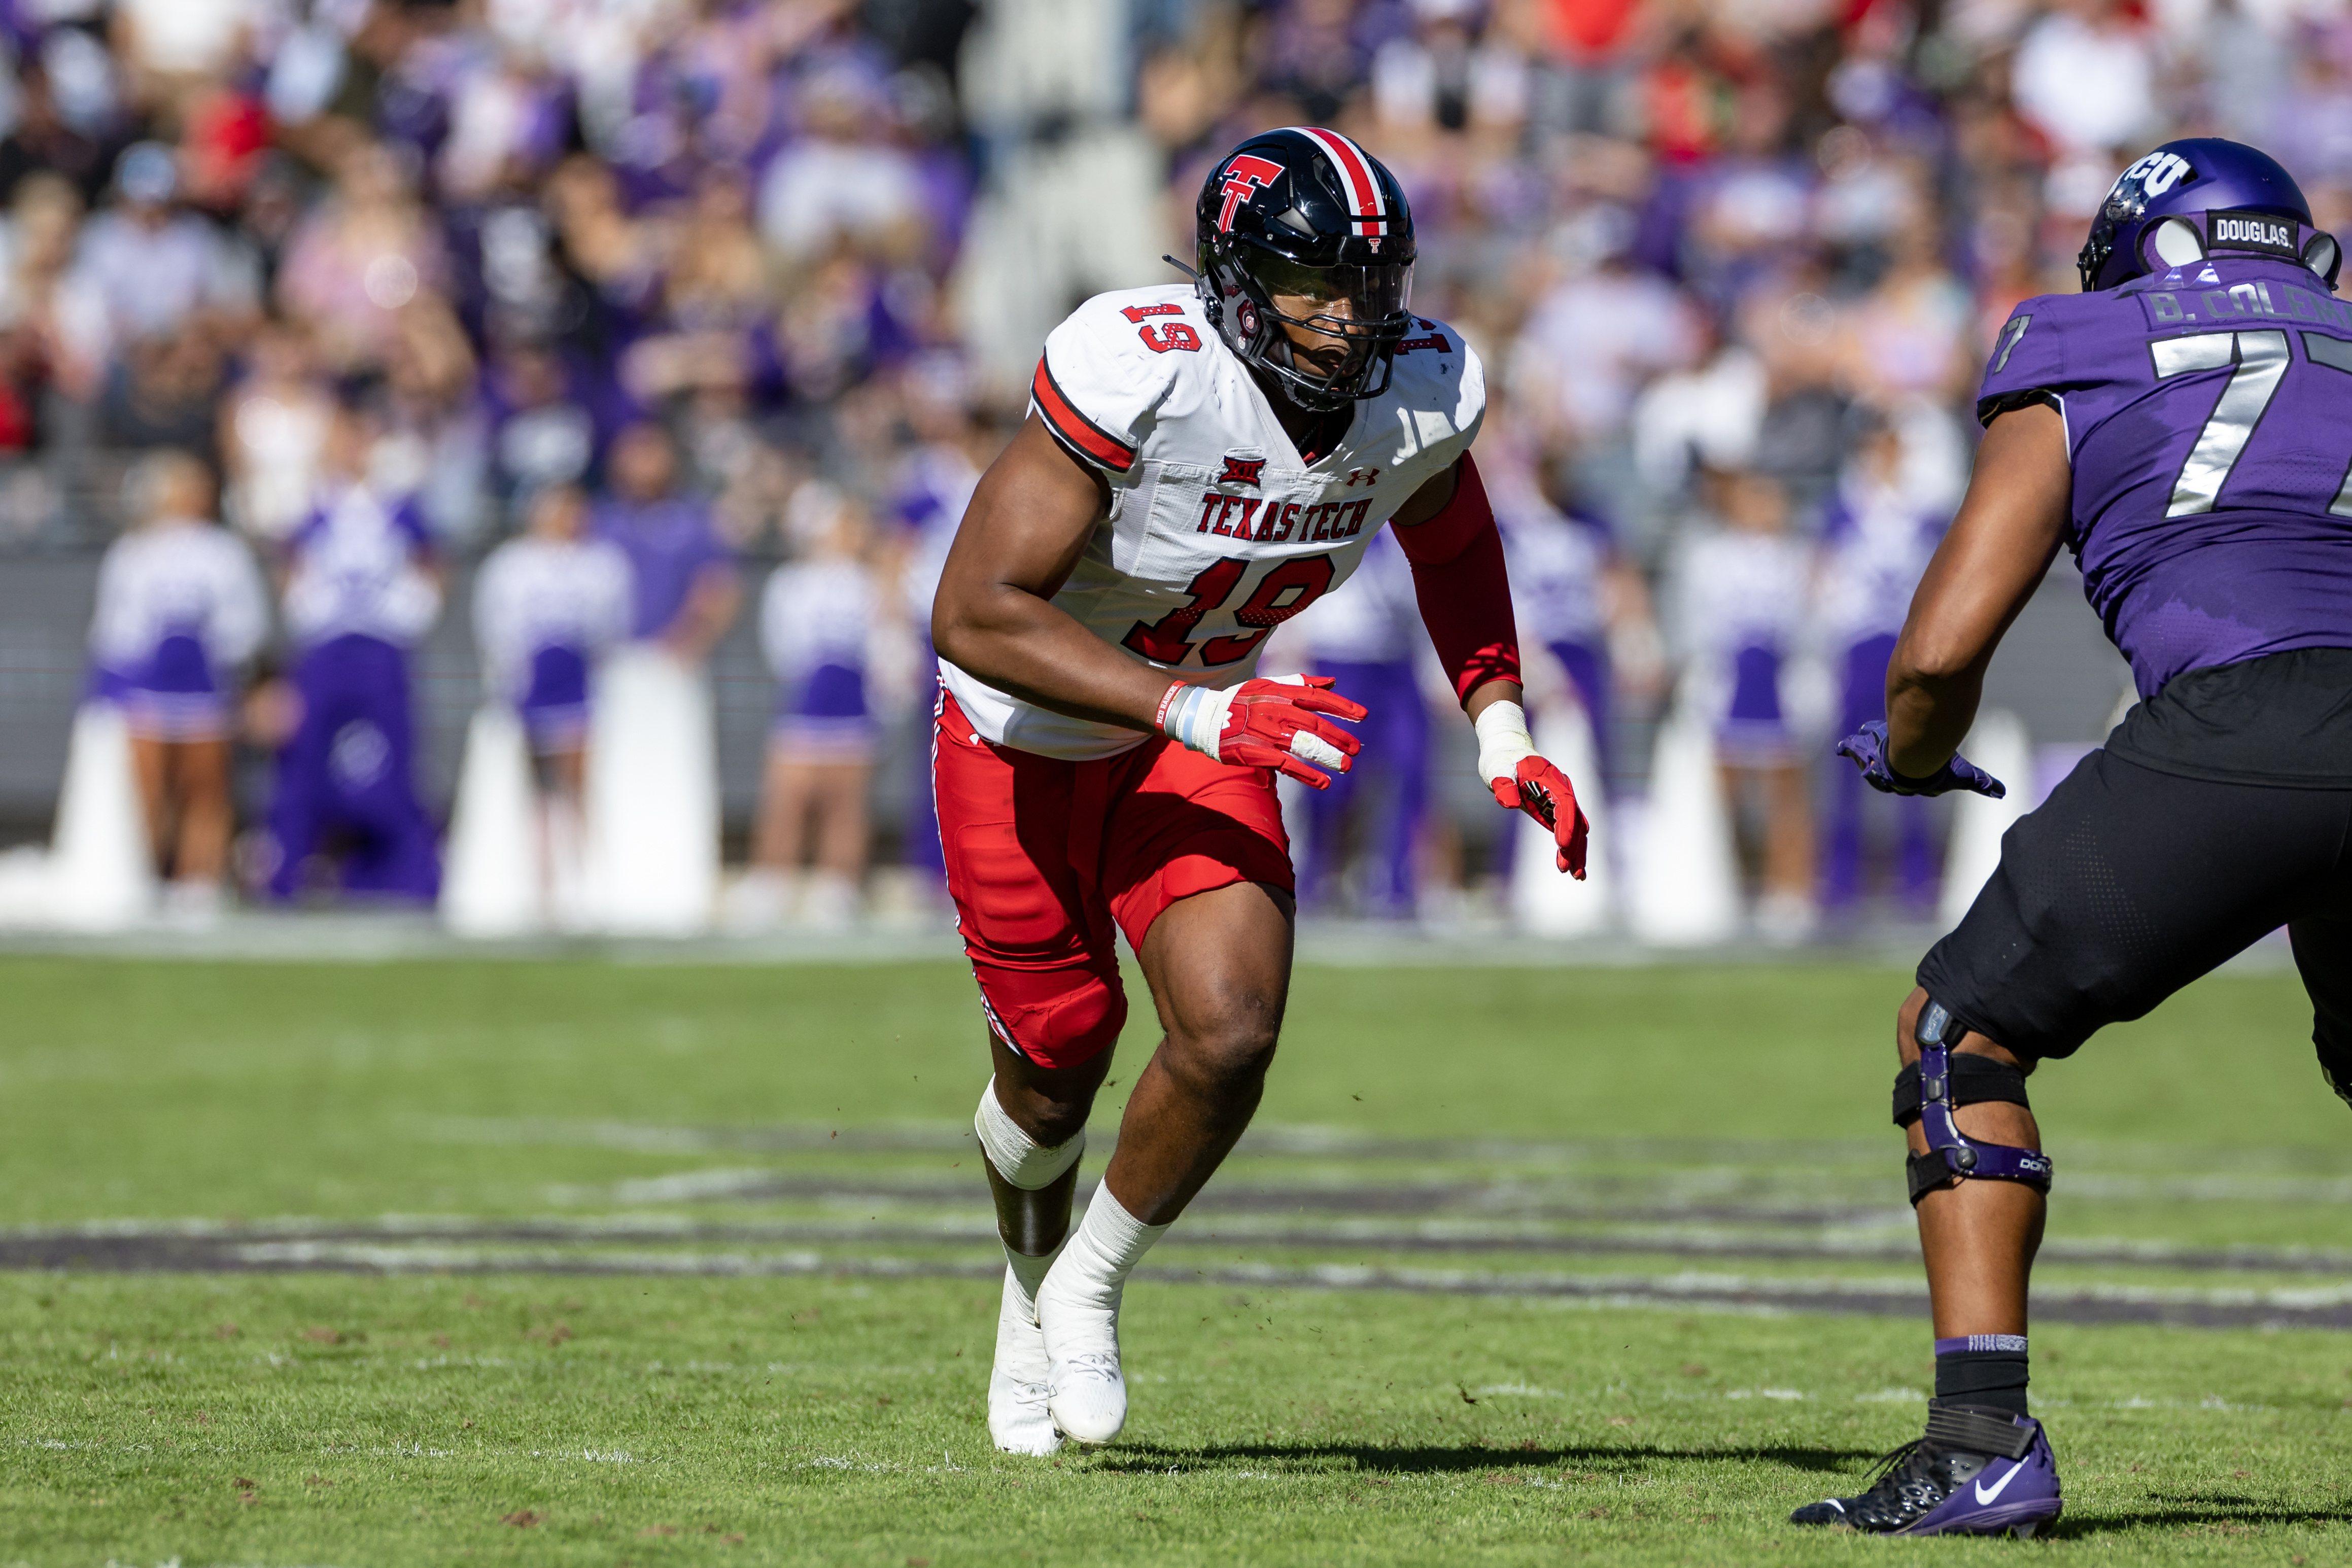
1949, 1155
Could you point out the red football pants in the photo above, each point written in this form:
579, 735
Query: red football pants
1046, 857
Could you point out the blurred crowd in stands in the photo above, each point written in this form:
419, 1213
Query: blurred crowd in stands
715, 308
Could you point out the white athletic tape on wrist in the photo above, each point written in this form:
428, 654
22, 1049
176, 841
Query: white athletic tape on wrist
1502, 741
1019, 1158
1196, 717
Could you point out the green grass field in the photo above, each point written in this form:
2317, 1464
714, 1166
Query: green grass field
589, 1262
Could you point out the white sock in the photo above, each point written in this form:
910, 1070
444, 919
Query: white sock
1108, 1244
1020, 1353
1028, 1274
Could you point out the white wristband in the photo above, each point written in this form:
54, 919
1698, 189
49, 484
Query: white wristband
1502, 741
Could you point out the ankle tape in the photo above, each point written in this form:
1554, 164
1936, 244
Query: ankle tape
1977, 1432
1951, 1157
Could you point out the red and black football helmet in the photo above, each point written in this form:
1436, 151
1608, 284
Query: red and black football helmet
1305, 217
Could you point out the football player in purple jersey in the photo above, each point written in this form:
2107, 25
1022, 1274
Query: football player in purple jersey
2184, 425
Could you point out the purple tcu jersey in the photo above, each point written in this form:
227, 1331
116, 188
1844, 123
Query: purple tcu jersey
2209, 417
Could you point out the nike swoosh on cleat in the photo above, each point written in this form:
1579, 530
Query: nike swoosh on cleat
1999, 1485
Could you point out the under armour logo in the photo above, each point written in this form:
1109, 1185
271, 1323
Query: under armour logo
1368, 475
1242, 471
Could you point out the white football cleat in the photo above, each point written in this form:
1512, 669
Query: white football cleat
1089, 1391
1019, 1417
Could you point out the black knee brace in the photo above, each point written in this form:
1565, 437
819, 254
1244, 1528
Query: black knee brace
1938, 1083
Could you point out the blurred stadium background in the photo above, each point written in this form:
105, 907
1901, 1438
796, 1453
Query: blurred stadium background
1733, 270
1569, 1225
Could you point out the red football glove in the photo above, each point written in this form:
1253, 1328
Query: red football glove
1272, 723
1542, 792
1524, 780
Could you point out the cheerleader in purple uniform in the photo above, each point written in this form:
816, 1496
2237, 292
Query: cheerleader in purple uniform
815, 620
546, 605
180, 607
1745, 591
1876, 546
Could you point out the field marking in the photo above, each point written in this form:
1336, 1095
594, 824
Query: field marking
2095, 1166
1274, 1140
1730, 1194
1704, 1194
2316, 1307
643, 1137
417, 1243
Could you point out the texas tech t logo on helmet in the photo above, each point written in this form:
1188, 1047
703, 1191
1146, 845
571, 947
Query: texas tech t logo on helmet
1244, 176
1306, 263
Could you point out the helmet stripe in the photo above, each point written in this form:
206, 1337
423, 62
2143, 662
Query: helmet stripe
1364, 195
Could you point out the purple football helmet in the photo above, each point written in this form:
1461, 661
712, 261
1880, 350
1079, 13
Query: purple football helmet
2190, 198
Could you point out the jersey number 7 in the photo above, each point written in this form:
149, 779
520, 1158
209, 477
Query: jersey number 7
2262, 360
1281, 593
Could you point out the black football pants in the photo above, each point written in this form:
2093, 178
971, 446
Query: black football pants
2127, 883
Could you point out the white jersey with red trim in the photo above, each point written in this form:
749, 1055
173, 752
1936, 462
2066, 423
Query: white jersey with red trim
1218, 531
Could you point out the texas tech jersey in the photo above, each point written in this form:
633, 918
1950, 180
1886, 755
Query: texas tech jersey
1218, 531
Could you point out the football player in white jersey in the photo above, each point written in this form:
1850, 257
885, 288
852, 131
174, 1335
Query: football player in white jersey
1199, 464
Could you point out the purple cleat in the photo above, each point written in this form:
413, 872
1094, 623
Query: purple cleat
1977, 1471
